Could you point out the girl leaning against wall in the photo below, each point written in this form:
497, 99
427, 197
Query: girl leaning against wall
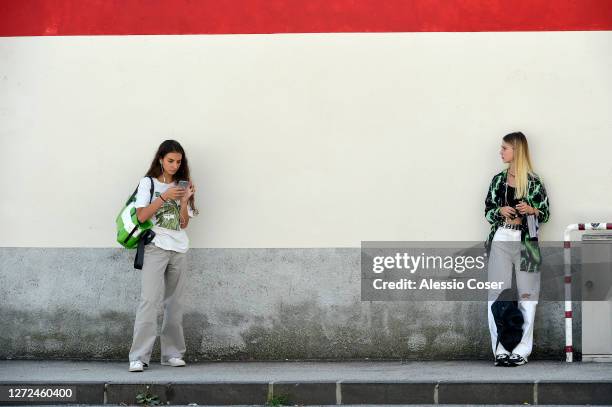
164, 268
515, 205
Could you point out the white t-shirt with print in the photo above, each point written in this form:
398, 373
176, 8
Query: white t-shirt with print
166, 220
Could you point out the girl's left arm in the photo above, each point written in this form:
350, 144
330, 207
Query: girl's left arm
540, 202
185, 206
184, 215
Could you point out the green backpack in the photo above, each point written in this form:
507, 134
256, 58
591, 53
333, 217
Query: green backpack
129, 229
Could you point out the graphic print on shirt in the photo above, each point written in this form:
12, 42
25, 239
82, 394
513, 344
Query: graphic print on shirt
168, 216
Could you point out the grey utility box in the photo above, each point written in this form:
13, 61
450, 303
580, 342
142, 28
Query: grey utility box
596, 280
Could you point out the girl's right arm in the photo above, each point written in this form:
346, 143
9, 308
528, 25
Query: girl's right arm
145, 213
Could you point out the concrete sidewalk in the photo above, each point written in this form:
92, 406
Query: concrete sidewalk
319, 383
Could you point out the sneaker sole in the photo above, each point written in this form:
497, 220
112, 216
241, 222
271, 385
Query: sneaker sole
168, 364
501, 363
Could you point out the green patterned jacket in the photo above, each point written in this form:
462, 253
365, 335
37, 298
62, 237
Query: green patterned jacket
536, 197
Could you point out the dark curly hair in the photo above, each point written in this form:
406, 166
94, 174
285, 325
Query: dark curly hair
155, 170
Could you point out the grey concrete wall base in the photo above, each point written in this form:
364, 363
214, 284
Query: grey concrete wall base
241, 304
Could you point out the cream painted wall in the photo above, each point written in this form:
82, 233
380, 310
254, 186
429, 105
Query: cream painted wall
301, 140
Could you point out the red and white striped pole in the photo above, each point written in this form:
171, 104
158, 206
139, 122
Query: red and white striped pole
567, 260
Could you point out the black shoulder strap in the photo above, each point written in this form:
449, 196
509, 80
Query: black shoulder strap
145, 239
152, 188
132, 196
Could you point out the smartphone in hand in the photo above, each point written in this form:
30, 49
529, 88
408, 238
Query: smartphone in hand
183, 184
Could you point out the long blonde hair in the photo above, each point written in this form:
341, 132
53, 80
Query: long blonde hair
522, 161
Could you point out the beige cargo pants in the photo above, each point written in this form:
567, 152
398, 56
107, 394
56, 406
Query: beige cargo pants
163, 271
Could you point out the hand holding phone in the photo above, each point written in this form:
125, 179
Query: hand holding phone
183, 184
174, 193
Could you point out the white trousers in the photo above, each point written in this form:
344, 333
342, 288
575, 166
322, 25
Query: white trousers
506, 253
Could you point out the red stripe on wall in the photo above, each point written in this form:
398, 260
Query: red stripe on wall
122, 17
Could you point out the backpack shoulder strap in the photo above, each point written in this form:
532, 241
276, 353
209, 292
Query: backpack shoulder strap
131, 196
151, 190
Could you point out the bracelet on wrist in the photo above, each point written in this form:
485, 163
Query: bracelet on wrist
162, 198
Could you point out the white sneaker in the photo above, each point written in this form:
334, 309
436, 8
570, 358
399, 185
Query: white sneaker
136, 366
176, 362
516, 360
